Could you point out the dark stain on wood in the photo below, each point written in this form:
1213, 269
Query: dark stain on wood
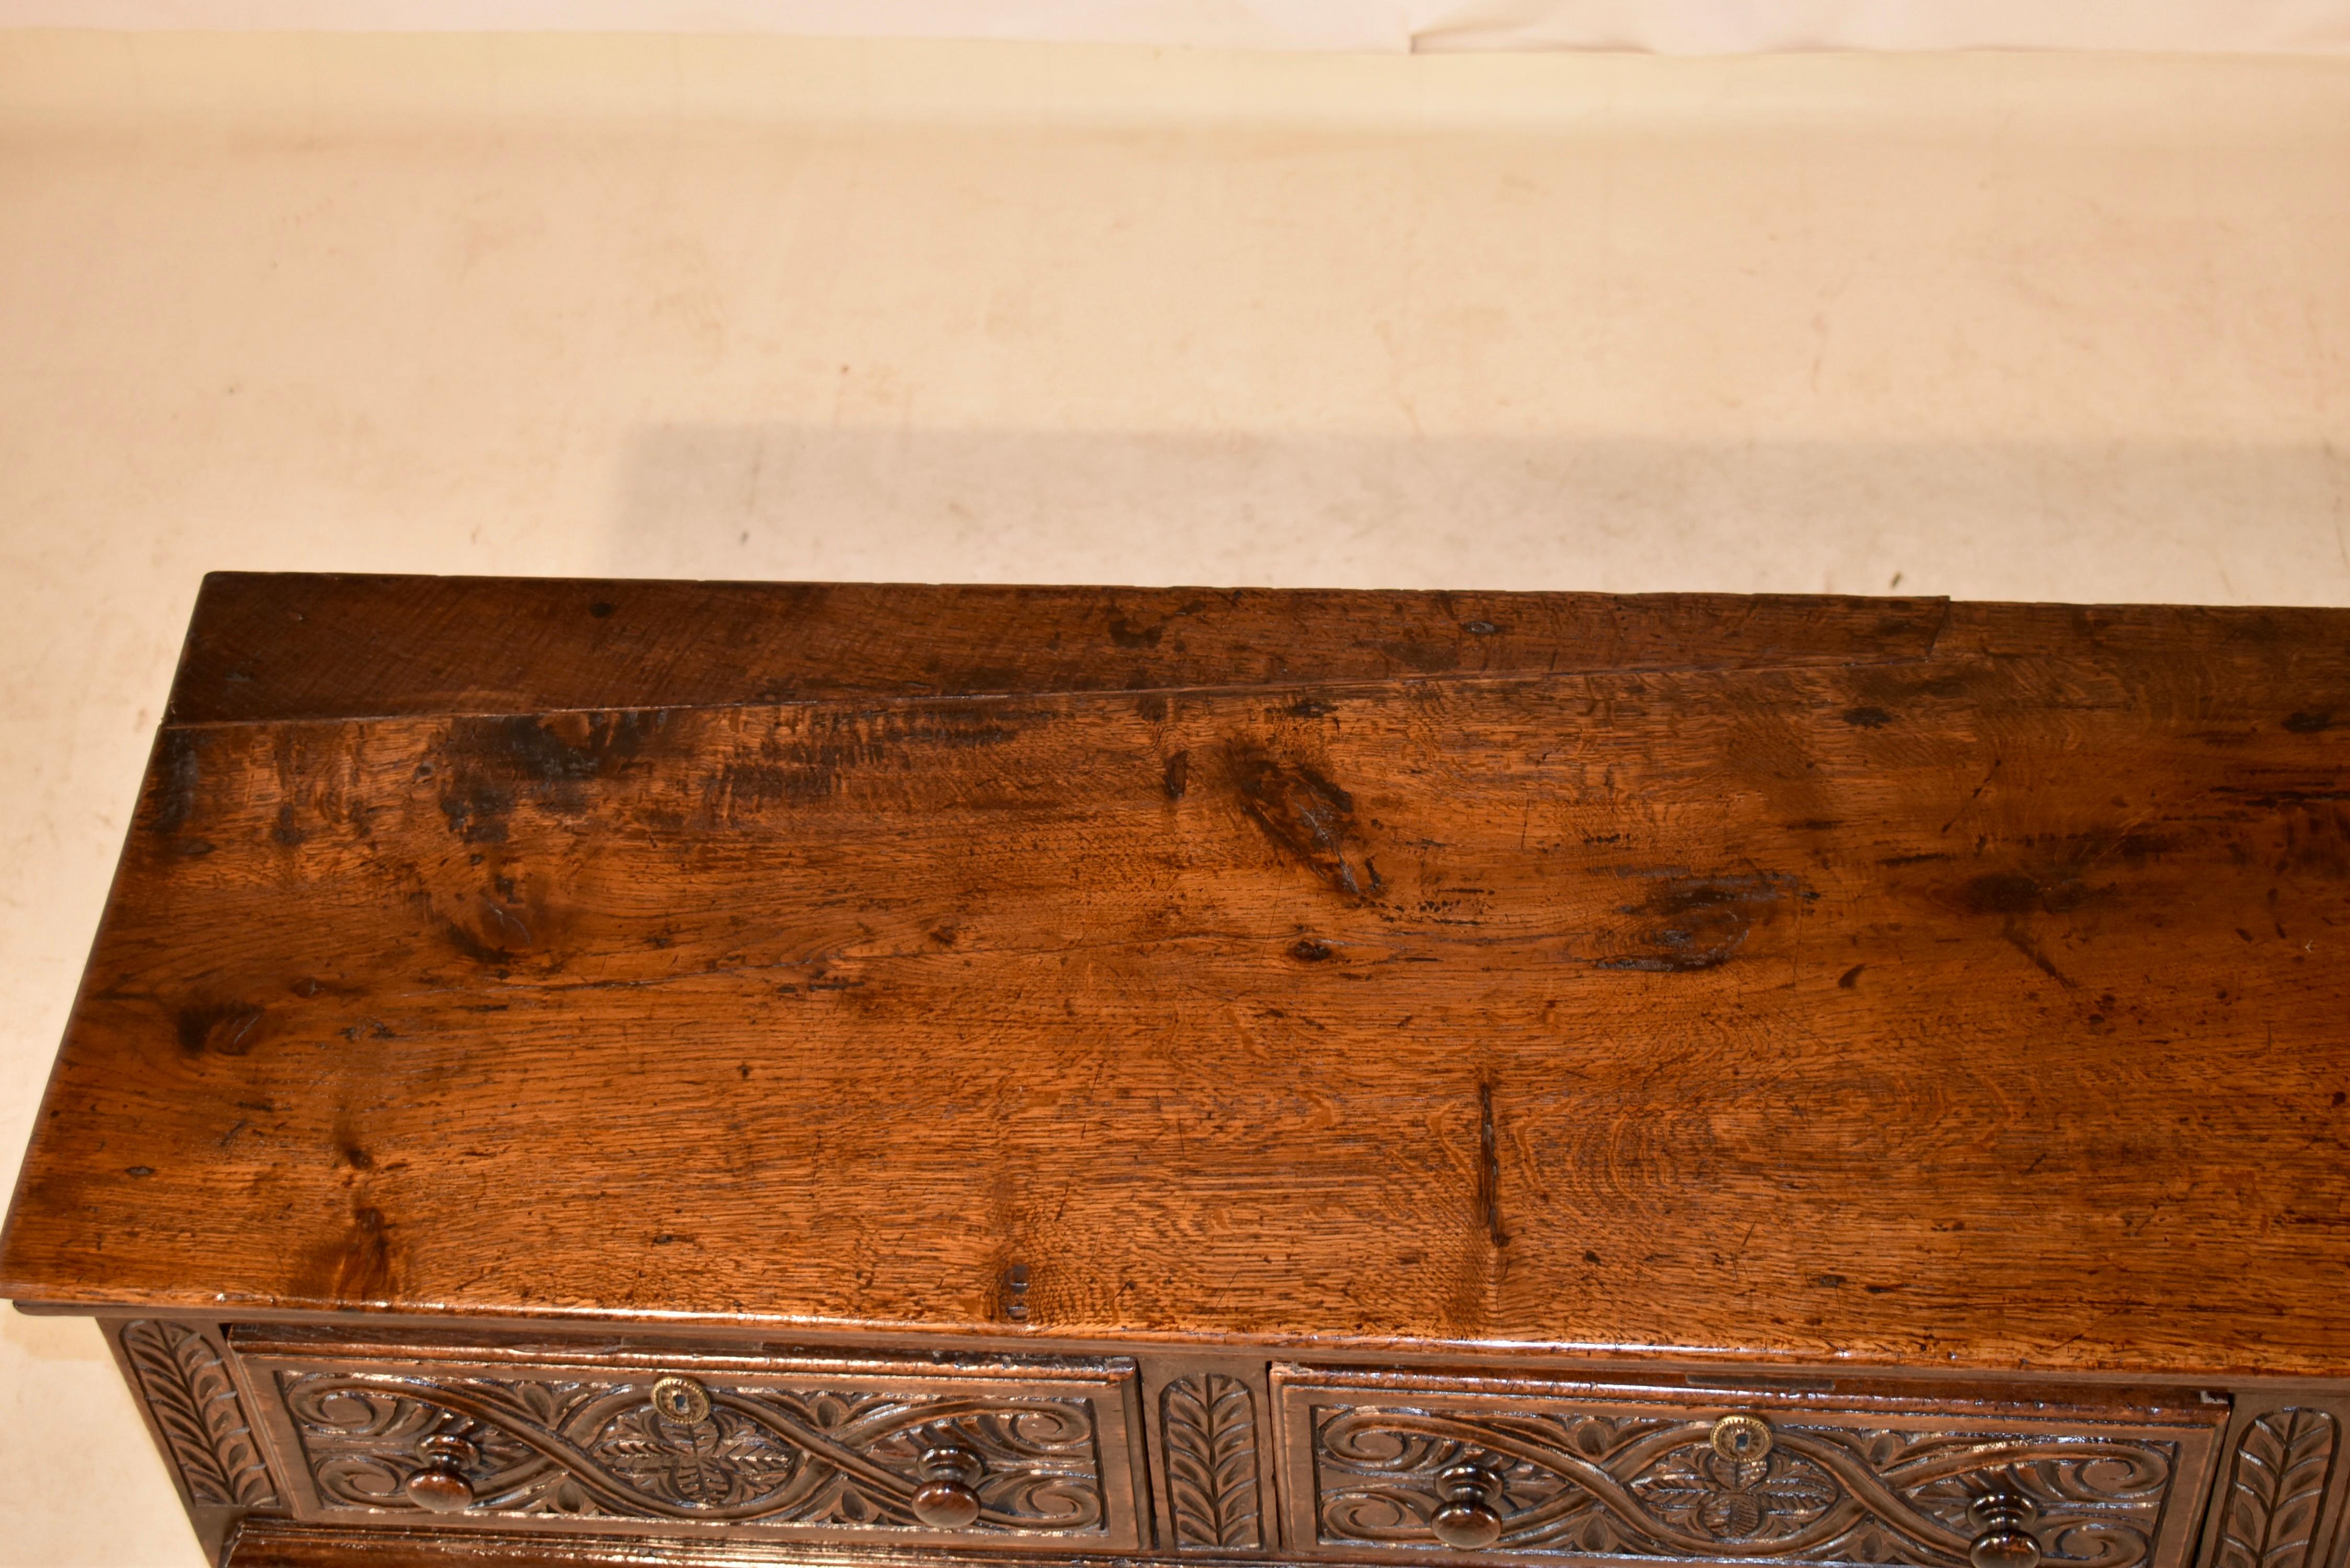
1307, 816
366, 1271
177, 775
494, 764
1424, 658
1689, 923
357, 1266
2054, 892
2001, 893
2012, 932
1488, 1167
220, 1028
1126, 634
483, 929
476, 808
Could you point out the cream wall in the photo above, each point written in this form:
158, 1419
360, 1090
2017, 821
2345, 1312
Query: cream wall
1995, 326
1400, 27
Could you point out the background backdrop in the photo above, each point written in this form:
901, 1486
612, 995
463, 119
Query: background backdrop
2027, 326
1396, 27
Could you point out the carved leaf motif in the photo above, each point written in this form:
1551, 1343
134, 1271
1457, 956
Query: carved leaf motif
195, 1403
768, 1456
723, 1461
1211, 1481
2281, 1462
1824, 1495
1735, 1499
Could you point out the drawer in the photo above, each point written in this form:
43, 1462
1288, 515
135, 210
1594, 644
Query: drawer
970, 1452
1382, 1464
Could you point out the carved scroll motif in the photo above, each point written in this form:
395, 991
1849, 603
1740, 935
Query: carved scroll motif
590, 1450
194, 1402
1637, 1486
2278, 1489
1209, 1424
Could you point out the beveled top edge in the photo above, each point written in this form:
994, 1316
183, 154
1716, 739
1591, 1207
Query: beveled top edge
265, 648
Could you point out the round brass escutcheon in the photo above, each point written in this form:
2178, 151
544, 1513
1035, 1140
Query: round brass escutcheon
682, 1400
1742, 1437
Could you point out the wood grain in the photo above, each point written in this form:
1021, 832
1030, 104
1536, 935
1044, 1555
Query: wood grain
1977, 1010
264, 647
269, 1543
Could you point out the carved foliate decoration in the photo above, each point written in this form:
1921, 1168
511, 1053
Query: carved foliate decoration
194, 1403
601, 1449
1209, 1423
1660, 1486
2269, 1518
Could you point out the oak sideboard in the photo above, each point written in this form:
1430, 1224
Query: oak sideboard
614, 1075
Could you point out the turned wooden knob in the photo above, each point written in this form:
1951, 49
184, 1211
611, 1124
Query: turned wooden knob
441, 1485
948, 1498
1466, 1520
2003, 1542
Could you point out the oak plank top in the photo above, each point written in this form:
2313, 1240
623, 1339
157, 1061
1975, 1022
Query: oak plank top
1887, 981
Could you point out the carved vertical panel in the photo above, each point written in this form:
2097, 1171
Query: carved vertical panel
1209, 1423
2277, 1490
194, 1401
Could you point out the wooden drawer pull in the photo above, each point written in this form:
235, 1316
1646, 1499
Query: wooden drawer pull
2003, 1542
1468, 1520
441, 1485
948, 1498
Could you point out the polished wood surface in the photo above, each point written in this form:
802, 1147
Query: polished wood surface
1878, 982
263, 648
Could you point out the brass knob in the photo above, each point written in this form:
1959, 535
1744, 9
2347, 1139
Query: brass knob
682, 1400
1467, 1518
2003, 1542
441, 1485
1741, 1439
948, 1498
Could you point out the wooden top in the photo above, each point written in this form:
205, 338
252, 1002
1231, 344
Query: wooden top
1812, 978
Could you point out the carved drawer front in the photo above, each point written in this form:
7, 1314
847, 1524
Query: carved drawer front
1384, 1464
972, 1452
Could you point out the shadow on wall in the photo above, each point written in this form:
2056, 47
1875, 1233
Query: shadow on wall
2211, 524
